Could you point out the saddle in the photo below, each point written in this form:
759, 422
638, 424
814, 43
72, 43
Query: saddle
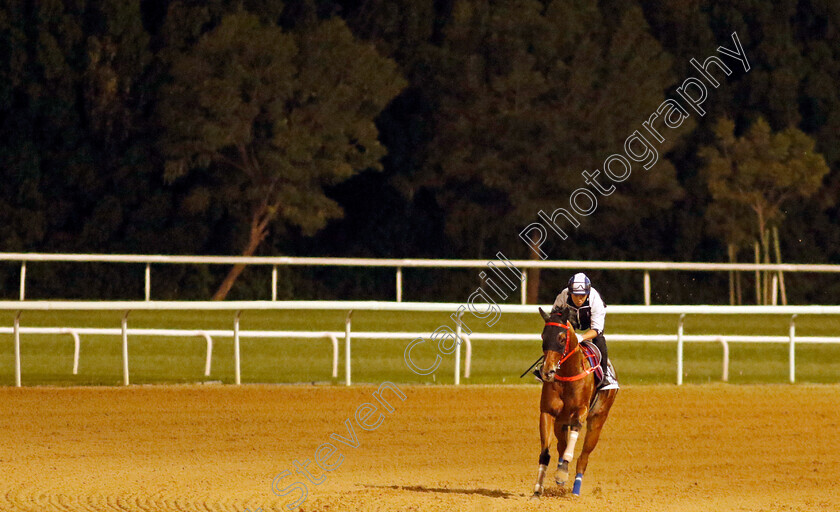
593, 356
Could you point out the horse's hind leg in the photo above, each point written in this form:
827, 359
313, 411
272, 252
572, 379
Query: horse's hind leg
594, 424
546, 426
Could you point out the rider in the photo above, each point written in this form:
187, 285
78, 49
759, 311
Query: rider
588, 311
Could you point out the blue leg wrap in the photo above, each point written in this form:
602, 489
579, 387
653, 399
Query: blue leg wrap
578, 481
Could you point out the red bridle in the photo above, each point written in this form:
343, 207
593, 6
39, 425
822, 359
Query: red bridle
567, 326
567, 354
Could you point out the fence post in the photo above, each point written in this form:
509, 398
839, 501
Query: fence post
274, 282
236, 360
458, 349
335, 354
148, 284
76, 344
125, 348
22, 280
680, 350
399, 284
725, 359
347, 379
647, 288
209, 360
524, 287
792, 335
17, 349
467, 356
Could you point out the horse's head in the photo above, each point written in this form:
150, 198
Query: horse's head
558, 340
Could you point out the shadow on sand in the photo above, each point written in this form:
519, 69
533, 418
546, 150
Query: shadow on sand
492, 493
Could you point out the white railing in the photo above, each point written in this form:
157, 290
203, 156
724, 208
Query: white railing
127, 306
207, 335
398, 265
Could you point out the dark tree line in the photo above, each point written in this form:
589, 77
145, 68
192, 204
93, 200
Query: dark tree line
400, 128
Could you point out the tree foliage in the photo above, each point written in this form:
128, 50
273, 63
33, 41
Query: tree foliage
530, 96
287, 113
761, 170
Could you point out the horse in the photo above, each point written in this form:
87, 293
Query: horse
568, 397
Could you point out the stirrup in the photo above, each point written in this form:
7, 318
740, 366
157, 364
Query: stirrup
610, 381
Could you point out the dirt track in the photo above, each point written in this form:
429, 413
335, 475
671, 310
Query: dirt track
203, 448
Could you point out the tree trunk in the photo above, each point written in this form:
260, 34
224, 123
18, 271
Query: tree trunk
533, 274
779, 260
533, 294
765, 247
761, 284
259, 230
757, 274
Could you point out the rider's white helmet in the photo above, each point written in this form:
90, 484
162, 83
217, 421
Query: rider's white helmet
579, 284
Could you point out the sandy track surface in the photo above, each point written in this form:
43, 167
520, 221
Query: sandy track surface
214, 448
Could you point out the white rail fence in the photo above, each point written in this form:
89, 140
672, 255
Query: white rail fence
680, 338
399, 264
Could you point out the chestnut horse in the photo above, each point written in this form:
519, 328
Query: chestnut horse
568, 397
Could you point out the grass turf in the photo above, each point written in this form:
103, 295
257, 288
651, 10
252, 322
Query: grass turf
48, 359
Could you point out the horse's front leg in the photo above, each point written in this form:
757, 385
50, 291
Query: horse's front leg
550, 407
566, 449
546, 426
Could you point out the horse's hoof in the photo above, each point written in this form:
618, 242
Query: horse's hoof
562, 473
577, 486
535, 497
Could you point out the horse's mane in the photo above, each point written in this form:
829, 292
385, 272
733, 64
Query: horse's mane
560, 315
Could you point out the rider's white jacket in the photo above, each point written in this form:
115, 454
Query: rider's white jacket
590, 315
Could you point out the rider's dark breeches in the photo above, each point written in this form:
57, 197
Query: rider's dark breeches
601, 343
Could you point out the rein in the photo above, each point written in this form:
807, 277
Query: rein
576, 377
